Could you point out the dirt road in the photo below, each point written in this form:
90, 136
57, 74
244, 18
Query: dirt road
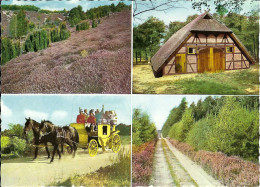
161, 173
25, 172
173, 168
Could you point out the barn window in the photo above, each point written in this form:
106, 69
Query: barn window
191, 50
230, 49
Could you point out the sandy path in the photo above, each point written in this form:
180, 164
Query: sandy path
195, 171
181, 176
161, 174
25, 172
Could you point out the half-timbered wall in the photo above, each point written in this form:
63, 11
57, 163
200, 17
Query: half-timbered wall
233, 60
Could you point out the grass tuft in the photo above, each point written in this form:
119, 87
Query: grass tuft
117, 174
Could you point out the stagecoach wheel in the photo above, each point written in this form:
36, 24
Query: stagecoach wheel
116, 143
93, 148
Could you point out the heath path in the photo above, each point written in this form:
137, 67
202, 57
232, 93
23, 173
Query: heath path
172, 168
161, 173
40, 172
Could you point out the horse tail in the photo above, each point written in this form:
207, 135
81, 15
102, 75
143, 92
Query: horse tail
76, 135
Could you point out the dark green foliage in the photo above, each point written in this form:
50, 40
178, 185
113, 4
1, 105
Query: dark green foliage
22, 23
94, 23
31, 26
125, 130
14, 130
236, 131
147, 36
13, 27
20, 7
19, 25
181, 129
103, 11
223, 124
143, 129
76, 15
40, 39
82, 26
9, 50
174, 116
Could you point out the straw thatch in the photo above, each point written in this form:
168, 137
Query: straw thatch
204, 23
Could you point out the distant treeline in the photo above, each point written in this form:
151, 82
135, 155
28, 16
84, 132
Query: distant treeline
76, 15
37, 40
223, 124
30, 8
125, 130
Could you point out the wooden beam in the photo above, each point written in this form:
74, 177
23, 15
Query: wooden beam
173, 54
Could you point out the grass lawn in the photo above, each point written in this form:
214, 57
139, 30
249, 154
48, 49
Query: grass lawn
234, 82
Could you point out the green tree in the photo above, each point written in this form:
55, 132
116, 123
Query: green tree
22, 23
13, 26
174, 117
76, 15
236, 131
143, 129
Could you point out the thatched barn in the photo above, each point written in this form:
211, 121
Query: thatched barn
203, 45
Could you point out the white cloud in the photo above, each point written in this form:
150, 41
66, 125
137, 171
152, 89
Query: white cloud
51, 8
19, 2
72, 1
6, 112
58, 114
36, 115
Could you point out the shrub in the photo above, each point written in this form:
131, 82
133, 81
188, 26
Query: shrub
10, 49
142, 163
94, 23
19, 146
5, 142
82, 26
230, 170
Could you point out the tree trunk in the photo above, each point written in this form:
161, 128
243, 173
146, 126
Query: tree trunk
146, 59
136, 57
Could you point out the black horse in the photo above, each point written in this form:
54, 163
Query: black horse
33, 125
59, 135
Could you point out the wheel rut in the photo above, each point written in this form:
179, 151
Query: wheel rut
161, 173
179, 174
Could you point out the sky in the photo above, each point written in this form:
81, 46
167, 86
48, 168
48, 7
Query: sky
183, 11
60, 109
60, 5
158, 107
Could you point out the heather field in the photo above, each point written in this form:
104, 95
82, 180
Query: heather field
230, 170
91, 61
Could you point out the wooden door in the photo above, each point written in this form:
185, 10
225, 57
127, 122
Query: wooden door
203, 60
180, 63
211, 60
219, 60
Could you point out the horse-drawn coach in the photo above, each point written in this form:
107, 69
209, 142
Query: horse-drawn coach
85, 135
104, 136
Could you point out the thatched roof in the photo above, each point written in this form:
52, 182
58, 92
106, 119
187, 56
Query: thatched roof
203, 23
